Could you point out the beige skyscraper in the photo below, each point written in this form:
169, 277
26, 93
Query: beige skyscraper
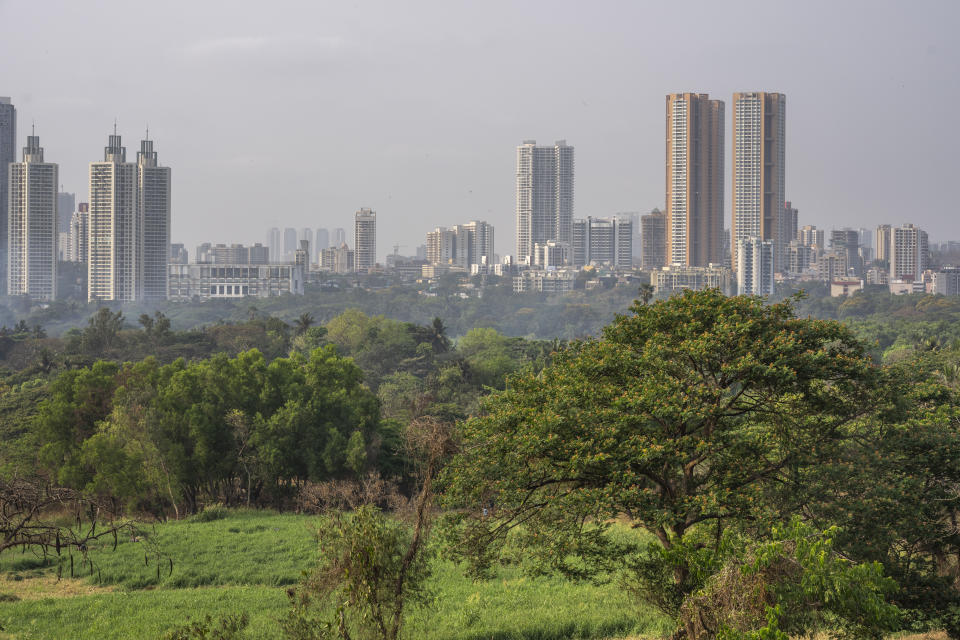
544, 196
32, 225
759, 178
695, 126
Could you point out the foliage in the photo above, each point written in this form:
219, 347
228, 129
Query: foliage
228, 627
680, 417
795, 584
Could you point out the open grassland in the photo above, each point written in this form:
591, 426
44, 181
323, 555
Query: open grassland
244, 561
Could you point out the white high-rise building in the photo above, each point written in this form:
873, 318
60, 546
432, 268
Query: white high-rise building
153, 202
909, 252
755, 267
544, 196
462, 245
759, 176
32, 225
79, 231
365, 236
606, 241
115, 246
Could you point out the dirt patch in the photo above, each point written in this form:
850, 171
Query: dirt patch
47, 586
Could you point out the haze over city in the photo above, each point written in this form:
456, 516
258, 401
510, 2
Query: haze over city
287, 114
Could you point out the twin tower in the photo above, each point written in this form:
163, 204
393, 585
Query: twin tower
695, 177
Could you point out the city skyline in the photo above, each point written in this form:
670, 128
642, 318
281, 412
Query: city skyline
366, 124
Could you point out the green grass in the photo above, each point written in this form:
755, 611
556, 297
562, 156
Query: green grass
242, 562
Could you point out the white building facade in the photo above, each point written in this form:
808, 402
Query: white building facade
544, 196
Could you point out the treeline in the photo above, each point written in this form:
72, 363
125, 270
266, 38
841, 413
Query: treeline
259, 410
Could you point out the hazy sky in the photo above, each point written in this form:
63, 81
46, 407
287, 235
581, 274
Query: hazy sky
298, 113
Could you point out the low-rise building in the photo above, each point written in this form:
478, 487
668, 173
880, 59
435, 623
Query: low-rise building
206, 281
552, 281
673, 279
845, 287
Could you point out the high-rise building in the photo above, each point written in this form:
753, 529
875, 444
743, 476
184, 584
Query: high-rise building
365, 234
654, 238
339, 237
479, 243
115, 238
32, 225
603, 241
306, 234
847, 241
179, 254
544, 196
810, 236
290, 243
799, 257
8, 154
322, 242
441, 245
909, 252
66, 205
882, 242
791, 222
759, 177
153, 203
258, 254
695, 129
275, 243
79, 231
755, 267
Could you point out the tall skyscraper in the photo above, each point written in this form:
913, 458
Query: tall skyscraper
791, 222
365, 234
153, 203
339, 237
695, 128
275, 244
909, 252
32, 225
290, 244
8, 154
544, 196
759, 178
847, 242
114, 270
882, 242
79, 232
323, 240
66, 206
306, 235
654, 239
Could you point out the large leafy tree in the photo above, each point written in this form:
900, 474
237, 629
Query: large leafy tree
683, 416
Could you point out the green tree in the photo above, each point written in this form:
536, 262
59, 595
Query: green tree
681, 416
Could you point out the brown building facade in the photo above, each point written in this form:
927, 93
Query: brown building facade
694, 176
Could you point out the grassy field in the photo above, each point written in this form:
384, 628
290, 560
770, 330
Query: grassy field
244, 561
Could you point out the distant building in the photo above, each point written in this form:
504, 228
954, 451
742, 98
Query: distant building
799, 257
275, 244
755, 267
882, 243
847, 241
321, 242
909, 252
555, 281
810, 236
8, 154
365, 234
462, 245
306, 235
831, 266
694, 194
947, 281
258, 254
603, 241
204, 281
654, 234
32, 225
338, 259
179, 254
674, 279
153, 206
339, 237
791, 222
79, 229
759, 153
544, 196
66, 206
290, 243
550, 254
846, 287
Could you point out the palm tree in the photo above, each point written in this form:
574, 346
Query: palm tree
439, 337
303, 323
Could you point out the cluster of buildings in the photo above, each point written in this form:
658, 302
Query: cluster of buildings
122, 234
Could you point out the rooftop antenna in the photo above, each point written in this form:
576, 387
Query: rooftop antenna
114, 126
33, 128
148, 131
